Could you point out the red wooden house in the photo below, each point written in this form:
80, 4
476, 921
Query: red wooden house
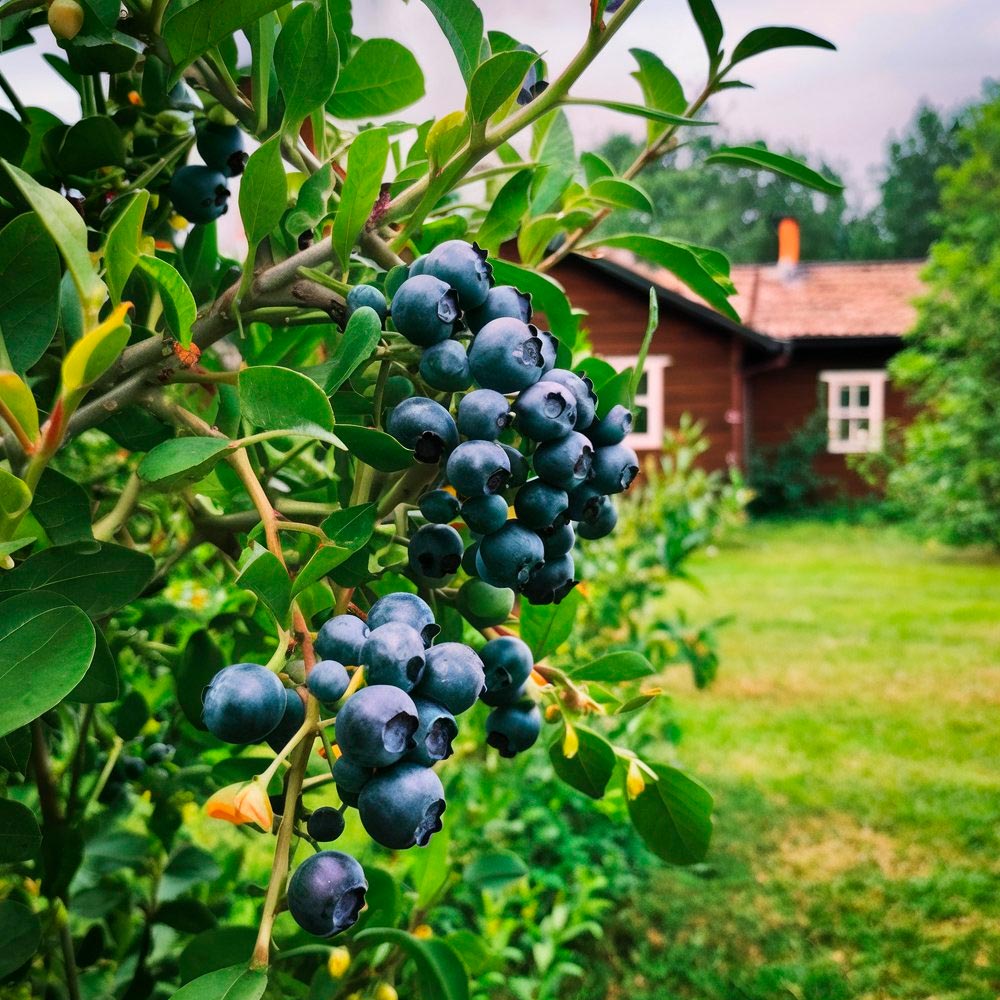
813, 336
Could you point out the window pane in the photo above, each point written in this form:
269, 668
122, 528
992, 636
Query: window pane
843, 430
639, 422
862, 425
643, 383
863, 396
845, 396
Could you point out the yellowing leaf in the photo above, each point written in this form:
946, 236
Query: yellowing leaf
91, 356
18, 402
15, 497
571, 743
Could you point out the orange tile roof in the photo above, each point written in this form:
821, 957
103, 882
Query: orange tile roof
828, 299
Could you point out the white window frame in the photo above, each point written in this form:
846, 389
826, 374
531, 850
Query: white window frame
651, 400
858, 439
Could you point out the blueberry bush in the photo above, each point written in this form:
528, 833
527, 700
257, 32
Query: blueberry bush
269, 526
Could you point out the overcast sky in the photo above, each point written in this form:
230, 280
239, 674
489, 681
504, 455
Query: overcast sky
842, 105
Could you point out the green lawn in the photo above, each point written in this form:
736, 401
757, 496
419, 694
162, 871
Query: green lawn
853, 744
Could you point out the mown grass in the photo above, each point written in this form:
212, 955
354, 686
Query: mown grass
852, 741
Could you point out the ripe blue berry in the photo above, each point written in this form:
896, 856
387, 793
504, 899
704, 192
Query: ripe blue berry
532, 84
506, 355
508, 663
199, 193
508, 556
221, 147
375, 726
401, 807
327, 681
614, 468
243, 703
486, 514
439, 506
565, 463
326, 893
539, 505
483, 605
612, 6
483, 414
519, 468
545, 411
476, 468
550, 350
583, 389
502, 301
435, 734
425, 426
425, 310
613, 428
370, 296
435, 551
445, 366
552, 582
603, 524
453, 677
558, 541
512, 729
394, 654
325, 824
342, 638
463, 266
350, 777
406, 608
291, 721
585, 502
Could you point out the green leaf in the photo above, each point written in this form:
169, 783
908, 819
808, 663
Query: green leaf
313, 202
375, 448
547, 296
494, 870
29, 290
638, 110
430, 871
268, 579
18, 399
189, 916
590, 769
90, 144
20, 836
624, 665
497, 80
100, 683
306, 61
192, 30
709, 25
652, 324
94, 353
545, 627
263, 191
200, 661
617, 390
188, 867
68, 231
674, 816
381, 77
505, 214
20, 932
366, 162
462, 24
351, 527
620, 193
235, 983
15, 749
440, 972
683, 262
764, 159
46, 645
444, 139
361, 337
15, 497
764, 39
183, 460
215, 950
97, 578
178, 302
660, 88
275, 398
121, 250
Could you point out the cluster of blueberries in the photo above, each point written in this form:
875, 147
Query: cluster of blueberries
201, 193
524, 413
390, 733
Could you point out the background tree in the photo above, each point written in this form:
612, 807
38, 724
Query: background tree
949, 476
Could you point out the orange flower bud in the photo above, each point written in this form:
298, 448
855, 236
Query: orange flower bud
242, 803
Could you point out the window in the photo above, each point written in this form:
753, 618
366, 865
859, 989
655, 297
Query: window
648, 428
855, 406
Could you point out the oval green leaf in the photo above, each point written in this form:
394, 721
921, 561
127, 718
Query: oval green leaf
764, 159
182, 460
375, 448
20, 836
673, 815
275, 398
381, 77
590, 769
234, 983
20, 932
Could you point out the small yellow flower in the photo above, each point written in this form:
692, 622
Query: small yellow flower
386, 992
635, 783
423, 932
244, 802
339, 962
571, 743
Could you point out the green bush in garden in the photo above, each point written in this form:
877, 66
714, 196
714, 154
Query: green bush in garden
255, 515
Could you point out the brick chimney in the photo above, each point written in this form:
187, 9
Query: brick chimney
788, 245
